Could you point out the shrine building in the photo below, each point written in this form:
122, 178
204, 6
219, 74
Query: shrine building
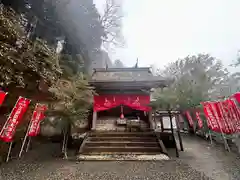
122, 122
123, 94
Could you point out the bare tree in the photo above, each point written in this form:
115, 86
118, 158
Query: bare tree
112, 22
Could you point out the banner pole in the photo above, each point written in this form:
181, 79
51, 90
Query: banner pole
178, 132
4, 127
225, 142
64, 139
65, 147
224, 138
24, 141
9, 151
210, 136
28, 144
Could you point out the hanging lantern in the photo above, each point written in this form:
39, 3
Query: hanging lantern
122, 115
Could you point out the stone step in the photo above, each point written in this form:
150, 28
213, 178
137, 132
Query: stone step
121, 149
122, 157
101, 143
122, 134
131, 139
119, 153
121, 144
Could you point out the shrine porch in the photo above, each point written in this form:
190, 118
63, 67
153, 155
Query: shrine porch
121, 118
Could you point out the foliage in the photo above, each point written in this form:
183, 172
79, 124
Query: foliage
237, 62
76, 23
196, 79
71, 65
73, 98
23, 62
26, 62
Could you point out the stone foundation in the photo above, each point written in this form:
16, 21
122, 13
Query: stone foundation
129, 157
110, 124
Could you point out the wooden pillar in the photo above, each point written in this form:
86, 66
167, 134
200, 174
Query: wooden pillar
178, 131
94, 120
150, 120
155, 119
162, 125
172, 131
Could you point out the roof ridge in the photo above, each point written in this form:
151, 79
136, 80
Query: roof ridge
121, 69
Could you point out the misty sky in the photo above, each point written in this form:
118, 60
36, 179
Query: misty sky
161, 31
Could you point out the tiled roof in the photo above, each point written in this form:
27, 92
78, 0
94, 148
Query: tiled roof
123, 75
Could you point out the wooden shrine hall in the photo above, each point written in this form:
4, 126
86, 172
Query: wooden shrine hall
122, 119
122, 94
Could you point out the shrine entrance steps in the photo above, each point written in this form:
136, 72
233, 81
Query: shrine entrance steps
115, 145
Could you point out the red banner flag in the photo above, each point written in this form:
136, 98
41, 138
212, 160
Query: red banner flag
199, 120
2, 96
235, 107
189, 118
226, 114
14, 119
237, 97
233, 113
224, 121
37, 117
211, 120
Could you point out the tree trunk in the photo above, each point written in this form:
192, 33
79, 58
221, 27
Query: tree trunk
67, 136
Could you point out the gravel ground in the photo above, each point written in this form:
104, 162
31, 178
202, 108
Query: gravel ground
198, 161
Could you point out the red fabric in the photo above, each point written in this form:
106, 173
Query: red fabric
2, 96
211, 120
219, 117
37, 117
200, 122
233, 113
237, 97
14, 119
105, 102
235, 108
189, 118
227, 115
222, 117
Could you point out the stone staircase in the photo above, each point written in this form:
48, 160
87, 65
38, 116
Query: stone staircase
121, 143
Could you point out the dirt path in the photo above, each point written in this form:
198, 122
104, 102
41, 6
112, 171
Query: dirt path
198, 161
213, 160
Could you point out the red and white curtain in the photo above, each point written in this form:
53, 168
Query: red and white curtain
138, 102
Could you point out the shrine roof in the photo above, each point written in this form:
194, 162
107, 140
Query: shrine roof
141, 74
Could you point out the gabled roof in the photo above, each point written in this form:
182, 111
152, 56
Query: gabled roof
124, 75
